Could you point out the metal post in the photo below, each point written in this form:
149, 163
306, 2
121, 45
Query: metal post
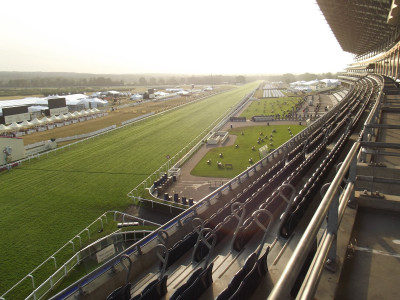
332, 227
262, 227
235, 208
101, 221
352, 179
55, 262
33, 286
73, 245
33, 281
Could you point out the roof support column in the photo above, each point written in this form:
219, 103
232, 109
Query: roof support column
379, 68
397, 63
393, 56
391, 65
386, 62
384, 67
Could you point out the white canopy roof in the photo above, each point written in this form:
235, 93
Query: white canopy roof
37, 104
55, 119
64, 117
46, 120
20, 102
37, 108
15, 125
35, 121
26, 124
4, 128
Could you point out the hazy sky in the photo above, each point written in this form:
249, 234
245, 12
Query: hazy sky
178, 36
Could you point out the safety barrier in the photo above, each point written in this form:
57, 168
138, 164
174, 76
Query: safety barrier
64, 269
85, 135
137, 118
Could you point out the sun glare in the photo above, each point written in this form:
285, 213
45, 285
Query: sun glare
168, 36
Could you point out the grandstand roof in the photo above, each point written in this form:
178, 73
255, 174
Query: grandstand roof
360, 26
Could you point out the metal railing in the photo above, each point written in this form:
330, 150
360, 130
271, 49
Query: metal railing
62, 271
285, 283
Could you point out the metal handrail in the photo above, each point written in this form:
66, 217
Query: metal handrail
312, 278
286, 281
295, 263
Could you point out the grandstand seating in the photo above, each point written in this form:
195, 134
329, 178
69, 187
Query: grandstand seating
231, 228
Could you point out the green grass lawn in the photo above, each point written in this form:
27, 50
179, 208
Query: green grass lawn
239, 156
46, 202
270, 106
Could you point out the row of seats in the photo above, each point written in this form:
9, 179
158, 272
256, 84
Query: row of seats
155, 290
196, 285
224, 225
307, 194
311, 187
247, 279
300, 146
249, 227
225, 228
222, 221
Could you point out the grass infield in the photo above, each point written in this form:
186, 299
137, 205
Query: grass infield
238, 157
270, 106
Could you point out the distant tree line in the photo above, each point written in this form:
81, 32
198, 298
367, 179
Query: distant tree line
63, 80
28, 80
201, 80
58, 82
